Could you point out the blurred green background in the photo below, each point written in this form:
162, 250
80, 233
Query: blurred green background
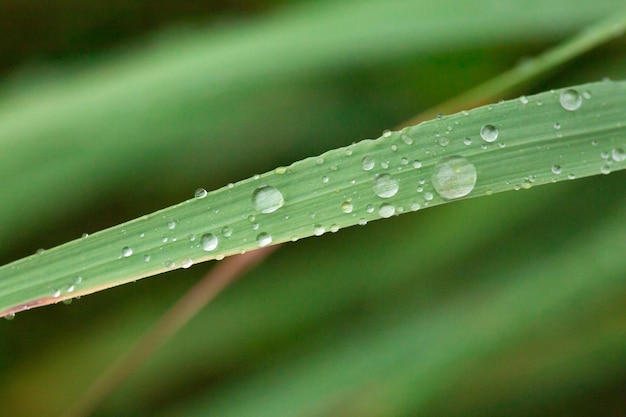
509, 305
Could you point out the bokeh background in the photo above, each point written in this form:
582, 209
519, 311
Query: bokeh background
508, 305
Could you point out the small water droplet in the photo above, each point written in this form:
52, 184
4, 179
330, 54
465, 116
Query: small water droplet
186, 263
84, 235
415, 206
386, 133
67, 301
200, 193
404, 161
557, 126
605, 169
227, 231
9, 316
444, 141
467, 141
325, 179
523, 99
428, 196
267, 199
489, 133
126, 251
348, 152
56, 293
556, 169
40, 251
280, 170
146, 258
319, 161
417, 164
618, 155
570, 99
406, 139
334, 228
263, 239
571, 176
169, 264
318, 230
367, 163
454, 177
385, 186
394, 148
346, 207
386, 210
384, 164
209, 242
369, 208
171, 224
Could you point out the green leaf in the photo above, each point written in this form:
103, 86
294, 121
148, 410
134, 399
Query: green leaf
549, 137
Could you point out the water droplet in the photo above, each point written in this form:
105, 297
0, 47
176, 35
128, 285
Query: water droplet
126, 251
318, 230
386, 210
280, 170
444, 141
348, 152
334, 228
209, 242
346, 207
556, 169
171, 224
40, 251
404, 161
325, 179
467, 141
200, 193
367, 163
557, 126
570, 99
428, 196
146, 258
386, 133
417, 164
369, 208
9, 316
186, 263
489, 133
227, 231
263, 239
415, 206
267, 199
319, 161
618, 155
523, 99
454, 177
67, 301
394, 148
406, 139
56, 293
384, 164
169, 264
385, 186
605, 169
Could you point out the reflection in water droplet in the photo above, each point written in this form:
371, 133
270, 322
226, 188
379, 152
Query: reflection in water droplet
454, 177
367, 163
570, 99
386, 210
385, 186
209, 242
200, 193
126, 252
263, 239
489, 133
267, 199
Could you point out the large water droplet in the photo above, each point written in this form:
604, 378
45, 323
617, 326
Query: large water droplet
385, 186
208, 241
126, 252
454, 177
263, 239
367, 163
267, 199
489, 133
570, 99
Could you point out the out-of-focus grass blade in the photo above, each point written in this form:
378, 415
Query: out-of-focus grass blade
548, 137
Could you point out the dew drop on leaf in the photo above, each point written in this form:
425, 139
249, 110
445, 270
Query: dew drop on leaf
489, 133
200, 193
556, 169
386, 210
209, 242
385, 186
346, 207
263, 239
367, 163
267, 199
454, 177
126, 251
618, 155
570, 100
